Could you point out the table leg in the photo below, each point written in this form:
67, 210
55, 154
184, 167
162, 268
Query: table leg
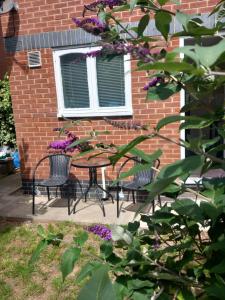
92, 179
93, 182
73, 210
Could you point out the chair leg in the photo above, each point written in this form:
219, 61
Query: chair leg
33, 203
117, 202
68, 199
133, 196
160, 202
153, 206
48, 193
128, 195
56, 192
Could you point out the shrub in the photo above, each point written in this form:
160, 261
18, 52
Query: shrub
181, 254
7, 128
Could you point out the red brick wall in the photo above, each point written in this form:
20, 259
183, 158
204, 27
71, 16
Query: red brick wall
34, 95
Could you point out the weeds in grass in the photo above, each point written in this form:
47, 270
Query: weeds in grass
20, 281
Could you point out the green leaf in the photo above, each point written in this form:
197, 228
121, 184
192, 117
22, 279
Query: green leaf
99, 287
133, 170
163, 91
143, 23
188, 207
146, 157
106, 249
162, 2
220, 268
133, 3
121, 234
136, 284
41, 231
69, 257
81, 238
216, 291
37, 252
127, 148
185, 294
140, 296
168, 120
163, 217
102, 15
54, 239
169, 66
181, 167
214, 247
188, 256
87, 270
188, 51
196, 122
184, 19
162, 23
209, 55
209, 210
133, 226
159, 186
121, 290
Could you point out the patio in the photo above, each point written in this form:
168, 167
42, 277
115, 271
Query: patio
15, 204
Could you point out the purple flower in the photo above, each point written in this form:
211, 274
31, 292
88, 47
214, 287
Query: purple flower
156, 245
152, 83
102, 231
105, 3
139, 52
57, 129
93, 53
91, 25
63, 145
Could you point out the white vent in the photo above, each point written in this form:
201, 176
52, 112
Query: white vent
34, 59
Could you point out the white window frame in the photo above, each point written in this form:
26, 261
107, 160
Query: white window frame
94, 110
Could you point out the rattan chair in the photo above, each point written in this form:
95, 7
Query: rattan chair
59, 165
140, 179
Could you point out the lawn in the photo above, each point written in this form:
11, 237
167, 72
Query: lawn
20, 281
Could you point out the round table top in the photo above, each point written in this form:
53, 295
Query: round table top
95, 162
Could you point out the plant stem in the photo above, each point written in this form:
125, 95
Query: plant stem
125, 30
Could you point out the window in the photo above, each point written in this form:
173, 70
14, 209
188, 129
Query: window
92, 86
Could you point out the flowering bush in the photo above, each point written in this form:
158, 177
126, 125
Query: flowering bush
181, 253
64, 145
102, 231
70, 144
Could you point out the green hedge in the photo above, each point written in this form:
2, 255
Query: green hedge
7, 127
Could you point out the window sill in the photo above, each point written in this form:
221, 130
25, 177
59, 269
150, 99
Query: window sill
78, 114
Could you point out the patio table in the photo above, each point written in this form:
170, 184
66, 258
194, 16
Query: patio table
92, 165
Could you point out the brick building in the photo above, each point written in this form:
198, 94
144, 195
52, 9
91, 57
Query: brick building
37, 93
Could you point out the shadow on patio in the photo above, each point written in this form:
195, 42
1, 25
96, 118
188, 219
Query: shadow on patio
14, 204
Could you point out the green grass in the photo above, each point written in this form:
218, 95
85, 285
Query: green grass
19, 281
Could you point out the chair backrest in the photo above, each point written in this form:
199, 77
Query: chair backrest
145, 176
59, 164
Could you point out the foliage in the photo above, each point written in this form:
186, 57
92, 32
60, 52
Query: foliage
181, 254
7, 128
